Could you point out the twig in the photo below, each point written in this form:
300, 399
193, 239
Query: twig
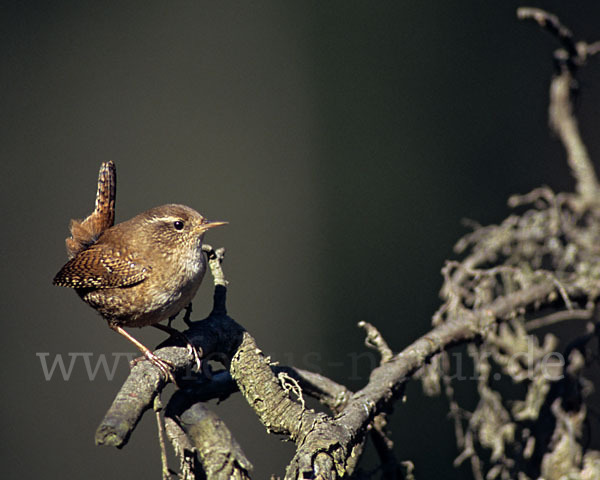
376, 341
562, 120
551, 23
565, 125
390, 468
161, 440
557, 317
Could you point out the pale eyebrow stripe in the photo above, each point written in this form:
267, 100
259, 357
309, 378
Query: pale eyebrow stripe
163, 219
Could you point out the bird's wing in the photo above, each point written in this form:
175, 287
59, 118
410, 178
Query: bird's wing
101, 266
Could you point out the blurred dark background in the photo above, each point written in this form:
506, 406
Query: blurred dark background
343, 141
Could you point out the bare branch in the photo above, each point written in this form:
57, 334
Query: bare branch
557, 317
545, 257
562, 119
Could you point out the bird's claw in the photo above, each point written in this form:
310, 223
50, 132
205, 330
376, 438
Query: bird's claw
165, 367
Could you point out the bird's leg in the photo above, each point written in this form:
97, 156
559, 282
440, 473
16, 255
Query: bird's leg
187, 315
190, 346
164, 366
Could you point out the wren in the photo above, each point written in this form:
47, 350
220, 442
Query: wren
138, 272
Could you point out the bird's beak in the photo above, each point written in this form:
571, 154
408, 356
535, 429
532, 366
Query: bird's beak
206, 225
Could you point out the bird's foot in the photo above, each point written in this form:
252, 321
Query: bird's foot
165, 367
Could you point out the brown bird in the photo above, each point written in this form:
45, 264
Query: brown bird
138, 272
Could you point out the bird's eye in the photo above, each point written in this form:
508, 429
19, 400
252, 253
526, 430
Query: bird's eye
178, 225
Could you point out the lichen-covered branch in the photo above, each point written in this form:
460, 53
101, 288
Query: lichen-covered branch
541, 265
555, 239
332, 440
206, 434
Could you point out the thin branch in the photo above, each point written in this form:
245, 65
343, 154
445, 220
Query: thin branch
161, 440
563, 122
557, 317
562, 119
551, 23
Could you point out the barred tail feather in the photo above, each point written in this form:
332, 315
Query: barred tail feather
84, 233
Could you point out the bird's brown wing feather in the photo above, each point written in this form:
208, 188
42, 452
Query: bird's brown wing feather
100, 266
